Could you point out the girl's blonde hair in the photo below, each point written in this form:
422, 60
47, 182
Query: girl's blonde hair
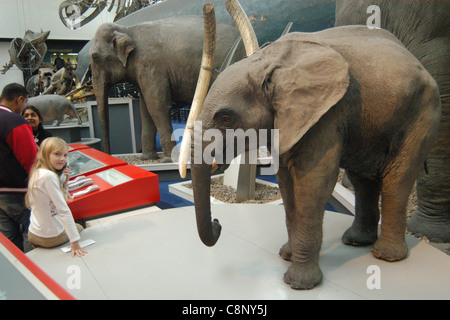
48, 146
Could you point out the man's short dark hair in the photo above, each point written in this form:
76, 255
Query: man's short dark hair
12, 91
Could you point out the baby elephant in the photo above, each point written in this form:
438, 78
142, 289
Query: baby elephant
344, 97
54, 107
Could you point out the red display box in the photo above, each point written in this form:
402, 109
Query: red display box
121, 188
77, 146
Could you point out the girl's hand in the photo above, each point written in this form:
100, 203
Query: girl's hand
76, 249
66, 172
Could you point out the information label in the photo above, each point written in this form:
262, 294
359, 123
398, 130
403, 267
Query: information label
113, 177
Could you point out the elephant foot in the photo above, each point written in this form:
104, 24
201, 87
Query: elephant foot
149, 156
390, 250
285, 252
435, 228
357, 237
303, 277
166, 160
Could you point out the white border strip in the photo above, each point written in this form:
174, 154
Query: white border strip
34, 281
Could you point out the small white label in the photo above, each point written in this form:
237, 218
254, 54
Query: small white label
83, 244
113, 177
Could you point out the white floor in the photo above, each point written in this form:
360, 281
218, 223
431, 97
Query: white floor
156, 254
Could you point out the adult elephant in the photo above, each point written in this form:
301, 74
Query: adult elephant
269, 18
163, 59
423, 27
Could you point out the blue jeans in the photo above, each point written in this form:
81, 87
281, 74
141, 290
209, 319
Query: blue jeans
14, 217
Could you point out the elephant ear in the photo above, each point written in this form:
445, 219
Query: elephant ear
123, 45
304, 81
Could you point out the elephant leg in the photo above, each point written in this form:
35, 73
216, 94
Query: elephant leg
165, 137
159, 112
314, 176
391, 244
286, 189
432, 217
399, 177
364, 229
148, 135
397, 183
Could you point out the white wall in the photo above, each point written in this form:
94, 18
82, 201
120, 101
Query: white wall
13, 74
17, 16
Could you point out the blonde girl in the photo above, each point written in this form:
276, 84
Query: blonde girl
51, 221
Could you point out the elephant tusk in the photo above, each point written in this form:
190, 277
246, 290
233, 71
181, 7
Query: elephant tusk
214, 166
244, 25
184, 152
201, 90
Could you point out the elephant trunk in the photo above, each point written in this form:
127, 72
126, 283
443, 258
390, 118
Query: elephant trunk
101, 95
208, 231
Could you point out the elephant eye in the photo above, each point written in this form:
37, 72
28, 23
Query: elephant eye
95, 56
227, 121
225, 118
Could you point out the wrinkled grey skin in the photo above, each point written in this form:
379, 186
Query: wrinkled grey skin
162, 58
423, 27
345, 97
54, 107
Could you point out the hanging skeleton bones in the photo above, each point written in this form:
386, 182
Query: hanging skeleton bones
76, 13
27, 53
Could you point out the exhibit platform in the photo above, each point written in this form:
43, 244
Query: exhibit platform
151, 253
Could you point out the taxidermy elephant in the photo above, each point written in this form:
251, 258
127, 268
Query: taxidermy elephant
162, 58
345, 97
54, 107
270, 18
423, 27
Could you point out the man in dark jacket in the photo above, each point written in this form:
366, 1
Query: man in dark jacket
17, 153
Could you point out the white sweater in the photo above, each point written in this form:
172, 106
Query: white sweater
50, 214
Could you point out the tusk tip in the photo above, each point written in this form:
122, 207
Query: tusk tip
207, 8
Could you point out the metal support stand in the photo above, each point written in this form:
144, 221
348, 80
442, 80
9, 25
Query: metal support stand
241, 175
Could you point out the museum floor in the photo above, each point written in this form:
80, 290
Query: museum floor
155, 253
